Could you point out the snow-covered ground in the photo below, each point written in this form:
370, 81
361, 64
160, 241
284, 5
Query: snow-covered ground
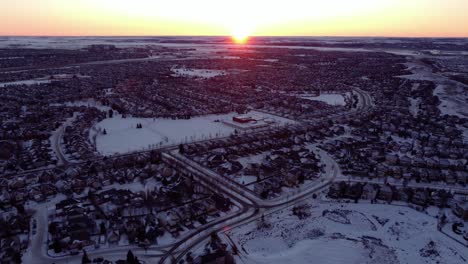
414, 106
86, 102
331, 99
453, 95
123, 136
42, 80
452, 103
25, 82
347, 233
203, 73
350, 252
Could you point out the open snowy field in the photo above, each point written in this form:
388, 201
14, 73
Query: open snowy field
452, 94
85, 102
25, 82
42, 80
123, 136
202, 73
331, 99
453, 99
347, 233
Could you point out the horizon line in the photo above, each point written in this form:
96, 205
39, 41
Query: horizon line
229, 36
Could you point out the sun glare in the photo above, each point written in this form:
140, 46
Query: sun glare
240, 34
240, 38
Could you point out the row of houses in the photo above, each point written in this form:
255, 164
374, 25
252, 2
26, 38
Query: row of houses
281, 158
422, 197
14, 234
76, 137
121, 216
395, 143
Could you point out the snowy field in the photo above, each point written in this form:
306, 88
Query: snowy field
25, 82
452, 103
123, 136
452, 94
331, 99
42, 80
86, 102
202, 73
347, 233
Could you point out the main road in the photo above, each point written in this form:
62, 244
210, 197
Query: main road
251, 201
250, 206
253, 206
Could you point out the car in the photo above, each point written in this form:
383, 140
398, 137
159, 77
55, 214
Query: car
457, 228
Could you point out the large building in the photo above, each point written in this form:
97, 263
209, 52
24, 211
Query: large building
242, 119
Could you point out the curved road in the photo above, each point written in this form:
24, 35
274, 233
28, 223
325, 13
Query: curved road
249, 204
332, 169
254, 204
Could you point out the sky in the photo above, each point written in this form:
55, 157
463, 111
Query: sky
393, 18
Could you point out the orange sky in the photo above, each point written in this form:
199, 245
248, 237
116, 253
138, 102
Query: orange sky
408, 18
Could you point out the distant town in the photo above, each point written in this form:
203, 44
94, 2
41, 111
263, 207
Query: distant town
197, 150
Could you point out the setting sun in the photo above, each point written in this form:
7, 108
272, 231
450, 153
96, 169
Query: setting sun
241, 19
241, 31
240, 38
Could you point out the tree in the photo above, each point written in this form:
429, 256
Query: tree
189, 257
181, 149
57, 246
102, 226
17, 257
214, 237
104, 132
130, 257
164, 181
235, 250
53, 229
263, 223
20, 208
139, 125
301, 178
85, 258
